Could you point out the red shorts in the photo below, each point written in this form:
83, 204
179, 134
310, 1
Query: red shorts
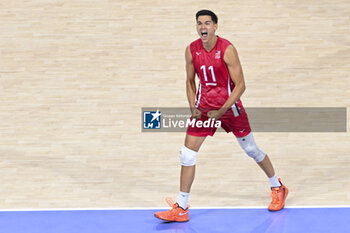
238, 125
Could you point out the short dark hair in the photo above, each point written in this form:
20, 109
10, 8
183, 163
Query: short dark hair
207, 12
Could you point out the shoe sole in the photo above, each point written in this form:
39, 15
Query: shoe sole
170, 220
276, 210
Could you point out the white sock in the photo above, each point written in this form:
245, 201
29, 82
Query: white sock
183, 199
274, 182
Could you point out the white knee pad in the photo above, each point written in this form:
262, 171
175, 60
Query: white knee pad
249, 146
187, 156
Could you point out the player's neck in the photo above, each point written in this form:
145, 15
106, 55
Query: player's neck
209, 45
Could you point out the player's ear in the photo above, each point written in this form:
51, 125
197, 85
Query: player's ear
216, 26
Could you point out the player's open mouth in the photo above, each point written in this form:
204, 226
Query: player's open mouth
204, 35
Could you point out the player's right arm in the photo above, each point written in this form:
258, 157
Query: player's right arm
191, 84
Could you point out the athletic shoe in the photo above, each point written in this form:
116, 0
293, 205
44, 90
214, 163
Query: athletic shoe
278, 195
176, 214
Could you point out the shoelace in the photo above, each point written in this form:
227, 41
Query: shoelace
171, 203
274, 196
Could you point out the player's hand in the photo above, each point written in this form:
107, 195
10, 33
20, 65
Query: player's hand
196, 113
214, 114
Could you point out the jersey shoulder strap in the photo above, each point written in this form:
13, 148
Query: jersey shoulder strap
195, 46
223, 44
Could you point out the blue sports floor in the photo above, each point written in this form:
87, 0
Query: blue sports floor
289, 220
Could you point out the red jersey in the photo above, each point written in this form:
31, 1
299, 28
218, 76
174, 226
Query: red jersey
215, 84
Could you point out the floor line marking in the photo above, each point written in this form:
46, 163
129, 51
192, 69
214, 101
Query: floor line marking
161, 208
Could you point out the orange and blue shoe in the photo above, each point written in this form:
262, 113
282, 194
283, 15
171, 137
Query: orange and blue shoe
278, 195
176, 214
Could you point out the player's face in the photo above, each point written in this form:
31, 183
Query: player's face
206, 27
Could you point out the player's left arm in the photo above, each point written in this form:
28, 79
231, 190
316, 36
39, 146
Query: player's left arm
235, 70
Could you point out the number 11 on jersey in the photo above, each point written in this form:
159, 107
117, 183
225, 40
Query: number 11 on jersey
211, 68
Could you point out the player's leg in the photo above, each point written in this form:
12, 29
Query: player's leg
192, 145
239, 126
279, 191
194, 138
188, 153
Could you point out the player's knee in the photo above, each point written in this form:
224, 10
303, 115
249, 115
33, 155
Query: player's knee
255, 153
251, 149
187, 156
